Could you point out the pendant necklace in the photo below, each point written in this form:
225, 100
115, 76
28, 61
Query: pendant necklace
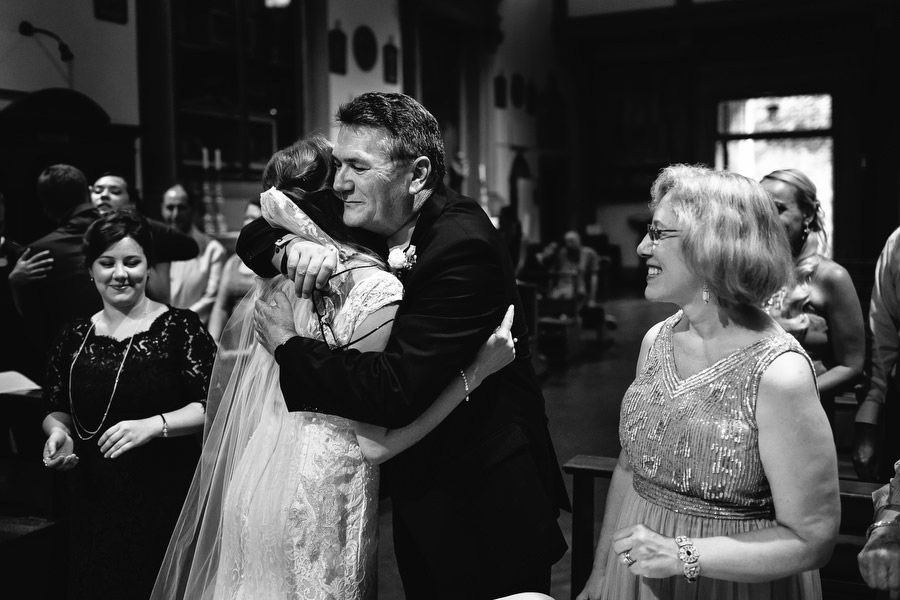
83, 432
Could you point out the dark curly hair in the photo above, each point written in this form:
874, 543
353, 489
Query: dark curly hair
113, 227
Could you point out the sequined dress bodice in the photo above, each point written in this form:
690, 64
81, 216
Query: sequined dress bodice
693, 442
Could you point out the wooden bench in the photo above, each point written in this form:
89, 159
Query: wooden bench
840, 577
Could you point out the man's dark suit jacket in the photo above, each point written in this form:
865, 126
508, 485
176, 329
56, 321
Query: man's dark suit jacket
477, 500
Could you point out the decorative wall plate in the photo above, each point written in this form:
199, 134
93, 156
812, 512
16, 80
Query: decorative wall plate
365, 48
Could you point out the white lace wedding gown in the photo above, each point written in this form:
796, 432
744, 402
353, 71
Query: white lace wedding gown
283, 504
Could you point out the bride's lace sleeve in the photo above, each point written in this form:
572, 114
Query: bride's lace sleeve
372, 293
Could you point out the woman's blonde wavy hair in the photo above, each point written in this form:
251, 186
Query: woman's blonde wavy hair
815, 244
731, 235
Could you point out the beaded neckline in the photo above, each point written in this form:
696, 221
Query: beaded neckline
709, 370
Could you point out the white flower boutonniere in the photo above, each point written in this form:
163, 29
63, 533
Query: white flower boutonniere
400, 260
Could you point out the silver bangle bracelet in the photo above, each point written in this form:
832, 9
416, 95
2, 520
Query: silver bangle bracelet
689, 556
877, 524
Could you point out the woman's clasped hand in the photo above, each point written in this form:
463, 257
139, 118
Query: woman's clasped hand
653, 555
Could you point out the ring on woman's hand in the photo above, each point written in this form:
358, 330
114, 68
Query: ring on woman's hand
626, 558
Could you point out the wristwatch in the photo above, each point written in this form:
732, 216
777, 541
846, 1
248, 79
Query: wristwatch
284, 240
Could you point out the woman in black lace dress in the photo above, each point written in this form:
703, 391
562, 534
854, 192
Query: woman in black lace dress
125, 388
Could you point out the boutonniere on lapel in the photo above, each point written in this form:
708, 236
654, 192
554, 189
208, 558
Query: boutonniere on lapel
401, 260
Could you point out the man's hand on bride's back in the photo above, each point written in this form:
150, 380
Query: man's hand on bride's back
498, 351
273, 320
310, 266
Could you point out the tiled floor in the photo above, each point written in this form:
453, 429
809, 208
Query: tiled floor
583, 406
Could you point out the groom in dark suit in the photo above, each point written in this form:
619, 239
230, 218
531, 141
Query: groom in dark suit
475, 503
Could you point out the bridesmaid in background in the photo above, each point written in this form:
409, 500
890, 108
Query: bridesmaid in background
820, 306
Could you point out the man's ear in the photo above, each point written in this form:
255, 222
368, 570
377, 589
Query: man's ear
421, 171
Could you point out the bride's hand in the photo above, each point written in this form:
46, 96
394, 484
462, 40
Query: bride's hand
498, 351
273, 320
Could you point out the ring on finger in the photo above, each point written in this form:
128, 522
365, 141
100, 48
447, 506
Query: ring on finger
626, 558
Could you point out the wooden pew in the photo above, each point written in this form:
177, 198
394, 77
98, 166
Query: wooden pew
840, 577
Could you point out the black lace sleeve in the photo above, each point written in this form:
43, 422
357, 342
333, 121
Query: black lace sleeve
197, 352
56, 385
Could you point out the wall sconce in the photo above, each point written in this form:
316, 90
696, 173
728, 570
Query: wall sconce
337, 50
27, 29
389, 56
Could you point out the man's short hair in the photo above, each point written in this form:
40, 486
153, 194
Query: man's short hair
730, 232
412, 130
60, 189
192, 201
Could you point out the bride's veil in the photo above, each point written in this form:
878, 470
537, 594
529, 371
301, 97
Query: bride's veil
190, 565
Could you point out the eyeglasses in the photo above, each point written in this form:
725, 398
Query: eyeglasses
656, 233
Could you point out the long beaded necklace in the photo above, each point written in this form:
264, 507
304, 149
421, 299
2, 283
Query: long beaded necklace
79, 428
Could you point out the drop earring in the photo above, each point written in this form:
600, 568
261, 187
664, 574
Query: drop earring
705, 294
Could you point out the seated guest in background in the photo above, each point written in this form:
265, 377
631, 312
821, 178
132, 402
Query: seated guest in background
112, 191
193, 283
124, 387
576, 268
237, 280
879, 560
49, 283
727, 483
820, 306
878, 412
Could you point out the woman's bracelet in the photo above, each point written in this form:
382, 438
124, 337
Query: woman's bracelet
165, 431
877, 524
465, 383
689, 556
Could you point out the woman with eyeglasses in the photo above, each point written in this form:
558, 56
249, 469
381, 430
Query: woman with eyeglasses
285, 504
727, 484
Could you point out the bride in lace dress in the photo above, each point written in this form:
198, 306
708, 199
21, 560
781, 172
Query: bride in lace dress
285, 504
